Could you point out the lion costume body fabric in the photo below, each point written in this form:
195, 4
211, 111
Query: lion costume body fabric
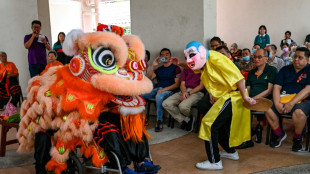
103, 76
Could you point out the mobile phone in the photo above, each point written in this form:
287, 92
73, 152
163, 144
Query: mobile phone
163, 59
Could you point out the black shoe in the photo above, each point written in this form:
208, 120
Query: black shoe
297, 145
245, 145
159, 126
259, 132
183, 125
190, 124
277, 140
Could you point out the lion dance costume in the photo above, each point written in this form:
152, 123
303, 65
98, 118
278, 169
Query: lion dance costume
104, 76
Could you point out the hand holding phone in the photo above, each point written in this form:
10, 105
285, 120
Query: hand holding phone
163, 59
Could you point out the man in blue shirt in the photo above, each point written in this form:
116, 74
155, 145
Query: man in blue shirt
292, 79
168, 81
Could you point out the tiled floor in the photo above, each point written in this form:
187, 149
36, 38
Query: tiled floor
179, 156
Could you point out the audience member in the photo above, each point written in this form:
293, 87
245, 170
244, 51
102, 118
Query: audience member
61, 56
262, 39
285, 56
223, 43
293, 47
307, 45
255, 47
224, 50
246, 63
179, 104
215, 42
9, 86
260, 83
287, 38
274, 60
147, 59
36, 44
235, 52
292, 79
168, 82
52, 58
307, 38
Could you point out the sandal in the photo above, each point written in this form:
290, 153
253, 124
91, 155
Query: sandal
159, 126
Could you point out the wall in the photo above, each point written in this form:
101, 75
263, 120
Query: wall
16, 17
171, 23
65, 16
238, 20
44, 17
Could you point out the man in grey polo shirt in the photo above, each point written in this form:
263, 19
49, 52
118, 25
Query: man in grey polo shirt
273, 59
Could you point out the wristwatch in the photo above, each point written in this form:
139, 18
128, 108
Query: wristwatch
188, 93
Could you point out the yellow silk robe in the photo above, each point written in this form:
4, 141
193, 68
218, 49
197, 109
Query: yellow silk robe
219, 77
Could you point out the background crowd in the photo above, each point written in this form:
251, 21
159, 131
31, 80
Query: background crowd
269, 72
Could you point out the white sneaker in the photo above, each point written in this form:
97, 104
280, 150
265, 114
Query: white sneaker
232, 156
206, 165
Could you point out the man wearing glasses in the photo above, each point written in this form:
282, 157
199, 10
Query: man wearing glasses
36, 44
292, 79
259, 84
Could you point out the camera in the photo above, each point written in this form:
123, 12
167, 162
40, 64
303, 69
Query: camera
163, 59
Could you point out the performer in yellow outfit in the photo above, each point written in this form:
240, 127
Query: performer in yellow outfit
227, 122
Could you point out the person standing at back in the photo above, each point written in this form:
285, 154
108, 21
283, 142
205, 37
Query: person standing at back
61, 56
37, 44
262, 39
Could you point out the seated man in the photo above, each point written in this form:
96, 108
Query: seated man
246, 63
8, 86
274, 60
259, 84
179, 104
292, 79
255, 47
167, 82
224, 50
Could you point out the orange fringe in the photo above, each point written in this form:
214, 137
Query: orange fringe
73, 143
133, 127
84, 92
92, 151
52, 165
89, 151
97, 161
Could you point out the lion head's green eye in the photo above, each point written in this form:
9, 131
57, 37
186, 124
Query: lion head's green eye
103, 60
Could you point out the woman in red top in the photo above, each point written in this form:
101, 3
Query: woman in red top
9, 86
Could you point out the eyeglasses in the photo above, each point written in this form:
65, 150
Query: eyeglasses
36, 27
258, 57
